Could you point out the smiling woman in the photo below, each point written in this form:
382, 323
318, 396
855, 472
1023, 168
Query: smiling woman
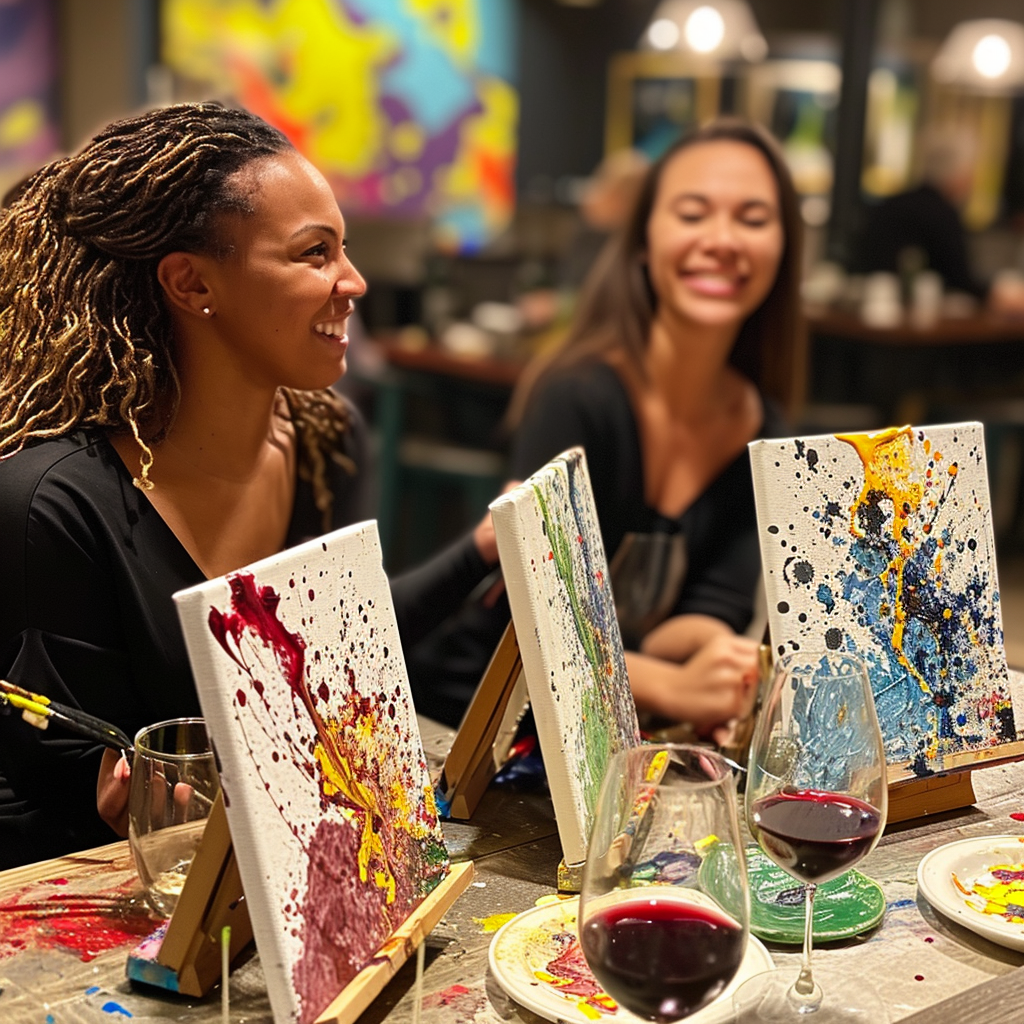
173, 308
687, 344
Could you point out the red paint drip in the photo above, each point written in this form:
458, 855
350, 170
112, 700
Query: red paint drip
1017, 816
255, 608
918, 977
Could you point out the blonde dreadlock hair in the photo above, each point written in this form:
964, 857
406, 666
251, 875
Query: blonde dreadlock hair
85, 337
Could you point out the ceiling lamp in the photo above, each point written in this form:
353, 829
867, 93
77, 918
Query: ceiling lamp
986, 54
718, 30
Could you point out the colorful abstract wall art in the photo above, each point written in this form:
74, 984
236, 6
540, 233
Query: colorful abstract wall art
407, 106
29, 132
303, 686
554, 565
881, 544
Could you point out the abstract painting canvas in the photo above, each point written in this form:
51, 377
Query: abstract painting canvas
554, 565
303, 686
882, 544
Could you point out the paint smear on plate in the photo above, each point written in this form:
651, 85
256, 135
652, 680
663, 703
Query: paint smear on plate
569, 973
998, 891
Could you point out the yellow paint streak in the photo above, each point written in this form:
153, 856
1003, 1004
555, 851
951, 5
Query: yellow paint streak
887, 457
338, 777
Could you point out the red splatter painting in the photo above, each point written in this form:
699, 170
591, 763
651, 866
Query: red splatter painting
309, 708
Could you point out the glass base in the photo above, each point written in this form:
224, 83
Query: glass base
770, 998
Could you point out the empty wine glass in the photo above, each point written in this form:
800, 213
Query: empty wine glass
658, 945
174, 783
816, 797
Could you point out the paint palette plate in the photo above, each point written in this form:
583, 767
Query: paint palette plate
537, 960
958, 880
843, 907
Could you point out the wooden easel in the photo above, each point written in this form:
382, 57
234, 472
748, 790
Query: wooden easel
948, 791
368, 983
188, 958
482, 744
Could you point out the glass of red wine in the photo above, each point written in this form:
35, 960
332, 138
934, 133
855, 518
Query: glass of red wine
654, 941
816, 794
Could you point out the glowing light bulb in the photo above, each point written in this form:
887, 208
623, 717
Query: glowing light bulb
663, 34
991, 56
704, 30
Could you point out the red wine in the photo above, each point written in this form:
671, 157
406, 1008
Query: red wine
815, 835
662, 957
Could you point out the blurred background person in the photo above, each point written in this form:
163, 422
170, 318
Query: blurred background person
923, 228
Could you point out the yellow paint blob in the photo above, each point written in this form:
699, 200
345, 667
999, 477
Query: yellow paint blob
493, 922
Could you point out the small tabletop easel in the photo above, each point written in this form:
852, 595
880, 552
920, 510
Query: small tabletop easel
482, 744
185, 955
950, 790
357, 995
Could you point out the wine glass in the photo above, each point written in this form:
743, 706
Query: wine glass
816, 796
174, 782
658, 945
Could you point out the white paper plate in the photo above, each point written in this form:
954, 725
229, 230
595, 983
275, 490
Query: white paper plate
523, 948
951, 876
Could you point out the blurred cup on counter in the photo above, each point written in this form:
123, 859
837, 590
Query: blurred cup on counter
881, 304
926, 298
174, 783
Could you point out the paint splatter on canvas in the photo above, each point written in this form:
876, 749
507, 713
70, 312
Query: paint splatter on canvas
881, 544
303, 685
555, 569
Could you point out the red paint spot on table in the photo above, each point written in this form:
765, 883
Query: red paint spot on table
1018, 815
445, 997
86, 924
918, 977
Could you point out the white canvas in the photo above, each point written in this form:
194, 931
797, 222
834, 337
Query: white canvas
882, 544
554, 565
303, 686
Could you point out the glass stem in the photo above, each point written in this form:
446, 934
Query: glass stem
806, 994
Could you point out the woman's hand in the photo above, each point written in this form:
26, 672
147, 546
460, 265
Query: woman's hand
715, 686
112, 791
483, 534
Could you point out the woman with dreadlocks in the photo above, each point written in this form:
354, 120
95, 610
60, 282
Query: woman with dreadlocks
173, 308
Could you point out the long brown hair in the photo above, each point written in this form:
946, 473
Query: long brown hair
85, 336
617, 305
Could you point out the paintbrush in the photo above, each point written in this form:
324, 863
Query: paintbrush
38, 710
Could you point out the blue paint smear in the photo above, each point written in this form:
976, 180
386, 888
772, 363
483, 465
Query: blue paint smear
900, 904
92, 991
113, 1007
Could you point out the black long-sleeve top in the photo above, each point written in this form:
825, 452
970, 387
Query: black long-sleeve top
87, 573
588, 405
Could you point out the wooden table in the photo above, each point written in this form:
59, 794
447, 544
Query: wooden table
916, 957
913, 373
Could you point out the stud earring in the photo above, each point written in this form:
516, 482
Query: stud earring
206, 310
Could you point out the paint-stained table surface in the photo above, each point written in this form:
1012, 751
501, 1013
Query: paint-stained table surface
66, 927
